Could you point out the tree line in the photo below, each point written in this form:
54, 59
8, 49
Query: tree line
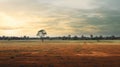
69, 37
42, 36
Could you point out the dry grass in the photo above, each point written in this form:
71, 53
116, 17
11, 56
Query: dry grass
53, 54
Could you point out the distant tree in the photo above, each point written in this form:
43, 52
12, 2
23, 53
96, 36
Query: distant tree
69, 37
101, 37
91, 36
26, 37
75, 37
82, 37
63, 38
113, 37
41, 34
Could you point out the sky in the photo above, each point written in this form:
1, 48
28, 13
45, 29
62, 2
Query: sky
59, 17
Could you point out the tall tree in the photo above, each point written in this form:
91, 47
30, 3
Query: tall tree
41, 34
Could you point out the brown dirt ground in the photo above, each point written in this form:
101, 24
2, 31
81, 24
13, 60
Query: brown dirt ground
36, 54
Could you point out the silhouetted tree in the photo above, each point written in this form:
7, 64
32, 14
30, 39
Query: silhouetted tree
101, 36
75, 38
113, 37
69, 37
82, 37
91, 36
41, 34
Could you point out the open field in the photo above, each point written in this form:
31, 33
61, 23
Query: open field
60, 53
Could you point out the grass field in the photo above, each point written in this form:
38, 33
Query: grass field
79, 53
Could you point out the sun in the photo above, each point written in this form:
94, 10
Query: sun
9, 25
9, 21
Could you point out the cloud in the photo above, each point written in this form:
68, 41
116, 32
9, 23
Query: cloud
60, 17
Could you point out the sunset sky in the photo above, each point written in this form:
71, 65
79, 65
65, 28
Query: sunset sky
59, 17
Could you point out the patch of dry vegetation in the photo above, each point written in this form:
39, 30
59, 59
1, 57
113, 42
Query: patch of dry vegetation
37, 54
